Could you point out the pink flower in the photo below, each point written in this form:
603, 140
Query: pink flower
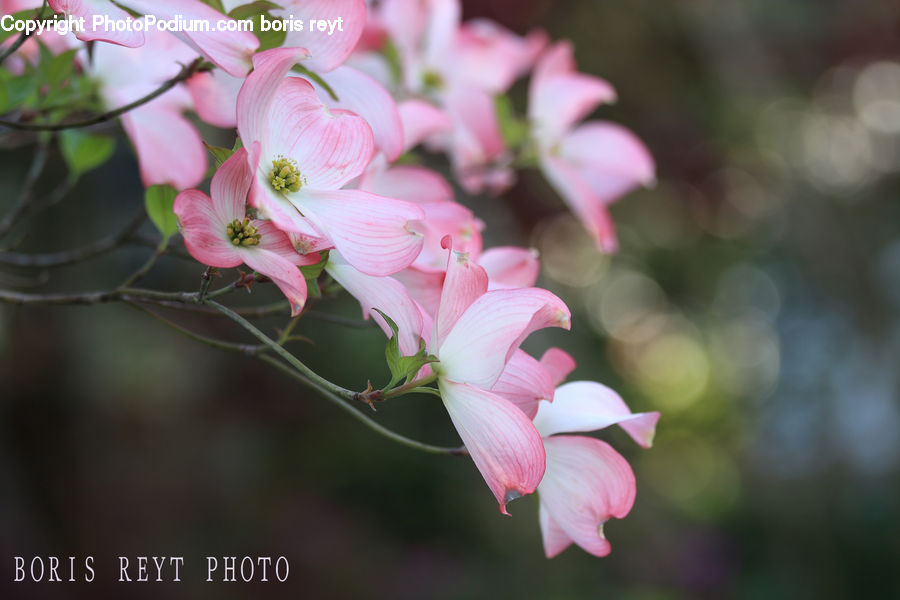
461, 67
168, 146
217, 232
591, 165
475, 333
229, 50
586, 482
302, 153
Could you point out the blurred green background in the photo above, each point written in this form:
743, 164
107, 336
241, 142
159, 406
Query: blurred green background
755, 303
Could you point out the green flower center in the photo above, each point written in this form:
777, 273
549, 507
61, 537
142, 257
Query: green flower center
286, 176
242, 233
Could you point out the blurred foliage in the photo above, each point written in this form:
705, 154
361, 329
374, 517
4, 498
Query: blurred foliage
755, 302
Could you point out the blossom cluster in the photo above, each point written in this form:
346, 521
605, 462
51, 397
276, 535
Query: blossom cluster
324, 174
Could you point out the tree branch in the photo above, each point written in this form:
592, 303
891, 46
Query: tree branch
22, 36
186, 73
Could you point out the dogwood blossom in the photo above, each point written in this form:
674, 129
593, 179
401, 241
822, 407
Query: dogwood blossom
218, 233
586, 482
592, 164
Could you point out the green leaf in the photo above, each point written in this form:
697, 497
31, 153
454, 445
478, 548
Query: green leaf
84, 151
311, 274
218, 153
56, 69
257, 11
158, 201
22, 15
403, 367
216, 4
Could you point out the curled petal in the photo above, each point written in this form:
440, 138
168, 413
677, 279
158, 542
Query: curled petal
486, 335
501, 440
281, 271
585, 484
588, 406
558, 363
464, 283
524, 382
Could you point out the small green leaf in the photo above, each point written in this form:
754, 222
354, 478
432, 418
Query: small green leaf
311, 274
22, 15
216, 4
57, 68
218, 153
257, 11
84, 151
158, 201
403, 367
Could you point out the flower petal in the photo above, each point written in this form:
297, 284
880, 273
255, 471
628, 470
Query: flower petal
524, 382
168, 146
330, 147
421, 120
554, 538
464, 283
611, 159
270, 68
204, 231
328, 48
510, 267
586, 483
87, 9
371, 232
387, 295
558, 363
588, 406
229, 50
559, 97
587, 206
281, 271
361, 94
486, 335
215, 97
499, 437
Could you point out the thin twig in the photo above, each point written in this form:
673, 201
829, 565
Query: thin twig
292, 360
186, 73
23, 37
31, 179
248, 349
356, 414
